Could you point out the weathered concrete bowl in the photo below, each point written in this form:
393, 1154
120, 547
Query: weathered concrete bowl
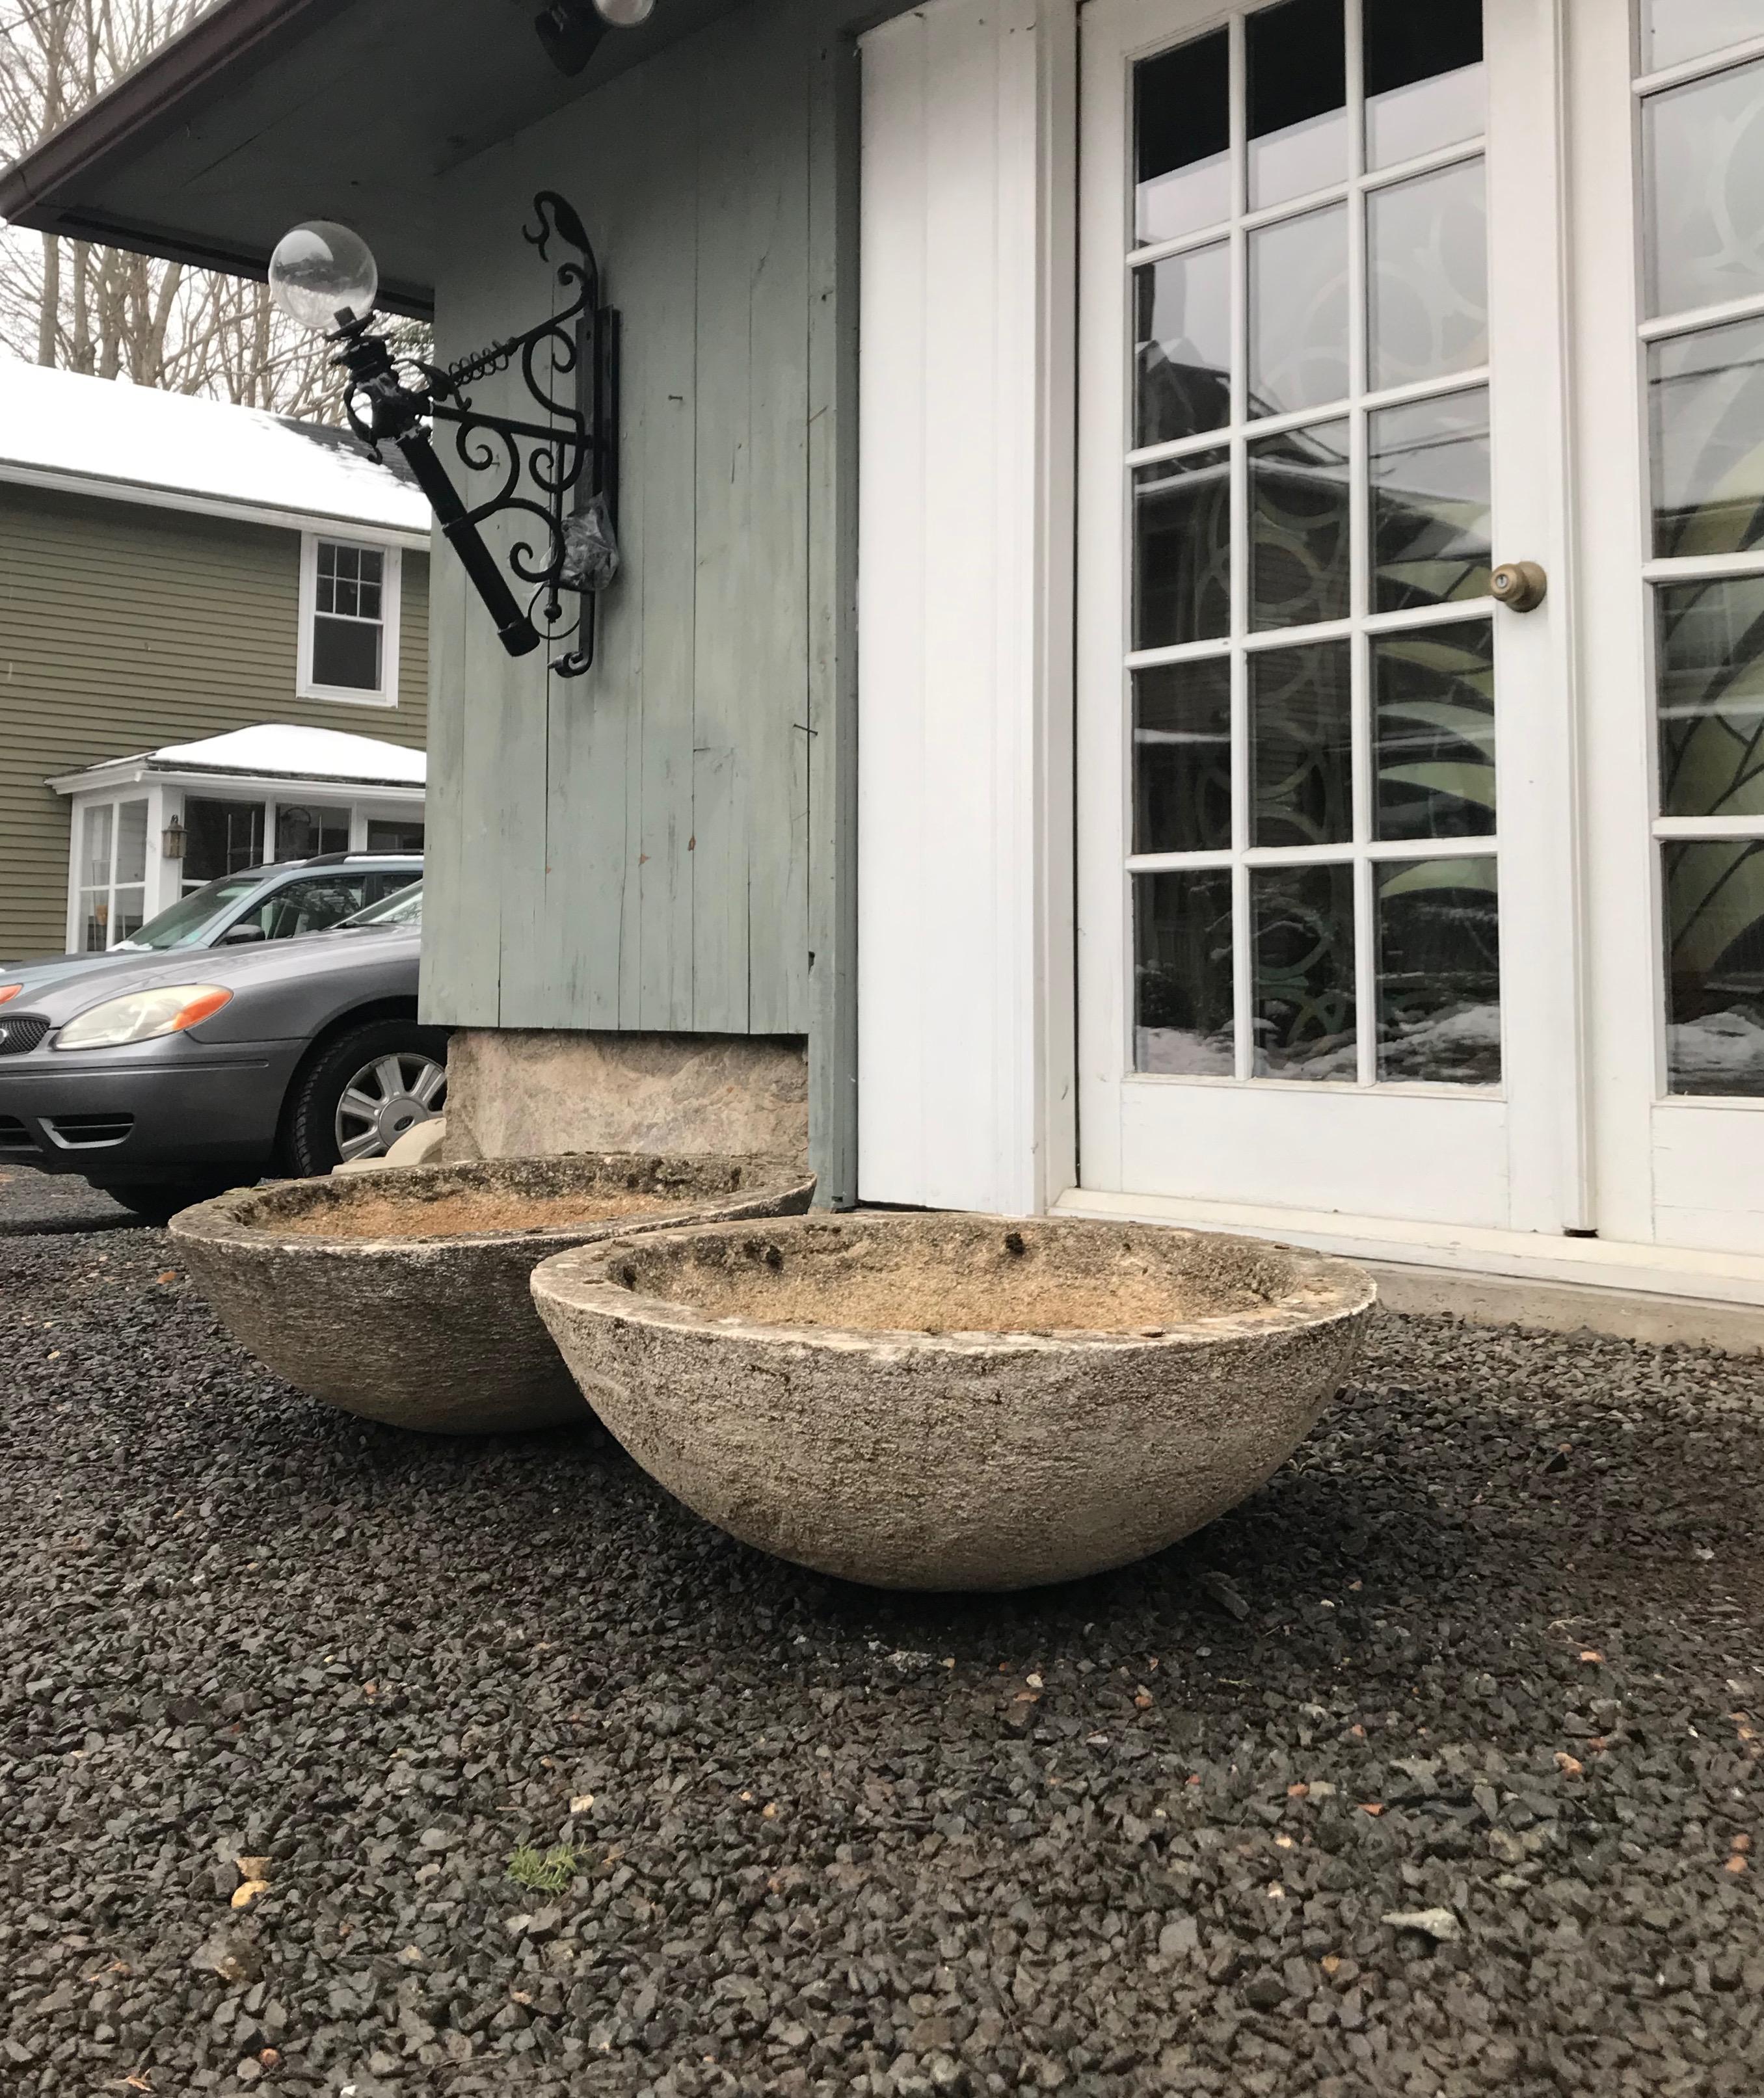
438, 1333
1125, 1383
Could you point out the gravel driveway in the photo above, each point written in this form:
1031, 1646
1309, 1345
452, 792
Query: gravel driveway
1482, 1657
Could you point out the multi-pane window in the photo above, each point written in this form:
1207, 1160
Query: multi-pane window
1310, 658
303, 830
1701, 115
220, 837
349, 619
113, 873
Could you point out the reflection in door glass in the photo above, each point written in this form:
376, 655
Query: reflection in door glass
1433, 699
1183, 974
1298, 312
1300, 526
1301, 745
1705, 404
1710, 692
1428, 467
1182, 126
1714, 935
1296, 57
1439, 973
1427, 265
1303, 997
1184, 343
1703, 156
1182, 757
1674, 30
1425, 81
1181, 550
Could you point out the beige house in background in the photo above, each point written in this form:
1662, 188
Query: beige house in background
174, 570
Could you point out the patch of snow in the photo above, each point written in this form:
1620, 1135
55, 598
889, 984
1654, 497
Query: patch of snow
1723, 1052
282, 751
120, 438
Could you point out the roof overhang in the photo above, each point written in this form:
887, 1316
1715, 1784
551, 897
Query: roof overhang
139, 771
265, 113
150, 495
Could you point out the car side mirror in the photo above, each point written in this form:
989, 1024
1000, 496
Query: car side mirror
241, 936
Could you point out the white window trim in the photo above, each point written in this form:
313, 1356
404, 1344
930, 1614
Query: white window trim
392, 599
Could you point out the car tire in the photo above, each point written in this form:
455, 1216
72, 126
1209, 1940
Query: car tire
157, 1202
328, 1118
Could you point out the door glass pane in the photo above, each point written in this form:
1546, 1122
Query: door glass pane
302, 831
1183, 307
95, 831
1710, 640
1427, 268
131, 842
1714, 931
1705, 400
1298, 312
1182, 139
1297, 56
1428, 467
1424, 82
1181, 550
1702, 153
129, 913
1182, 757
94, 920
1433, 701
1302, 999
1301, 528
1301, 745
386, 835
220, 837
1183, 974
1672, 30
1439, 976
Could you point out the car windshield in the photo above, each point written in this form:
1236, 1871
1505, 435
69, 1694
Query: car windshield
185, 923
406, 908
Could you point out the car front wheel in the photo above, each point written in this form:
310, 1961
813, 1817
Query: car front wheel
367, 1089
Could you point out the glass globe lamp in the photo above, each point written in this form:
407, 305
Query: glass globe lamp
323, 275
625, 14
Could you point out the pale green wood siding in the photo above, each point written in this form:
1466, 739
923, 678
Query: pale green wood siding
641, 848
124, 627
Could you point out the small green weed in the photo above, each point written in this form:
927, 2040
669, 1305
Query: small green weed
546, 1872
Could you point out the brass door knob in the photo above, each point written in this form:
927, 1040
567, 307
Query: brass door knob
1521, 586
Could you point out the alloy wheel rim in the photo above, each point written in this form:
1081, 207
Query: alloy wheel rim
387, 1097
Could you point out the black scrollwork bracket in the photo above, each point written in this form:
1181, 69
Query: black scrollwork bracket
555, 467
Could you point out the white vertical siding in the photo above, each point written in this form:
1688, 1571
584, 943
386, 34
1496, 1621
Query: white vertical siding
964, 488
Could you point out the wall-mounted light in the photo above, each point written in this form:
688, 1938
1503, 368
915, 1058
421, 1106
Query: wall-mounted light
171, 839
556, 466
571, 30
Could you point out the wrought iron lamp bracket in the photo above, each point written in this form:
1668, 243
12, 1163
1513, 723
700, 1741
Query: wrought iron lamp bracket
554, 468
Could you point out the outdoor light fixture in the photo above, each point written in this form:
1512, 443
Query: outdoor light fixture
171, 839
571, 30
556, 466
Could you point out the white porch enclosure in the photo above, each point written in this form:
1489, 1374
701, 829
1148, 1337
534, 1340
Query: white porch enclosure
1404, 919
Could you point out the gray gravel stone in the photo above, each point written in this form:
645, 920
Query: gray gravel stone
237, 1624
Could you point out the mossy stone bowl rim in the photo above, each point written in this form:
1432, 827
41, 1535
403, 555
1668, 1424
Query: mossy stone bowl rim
1313, 1289
246, 1217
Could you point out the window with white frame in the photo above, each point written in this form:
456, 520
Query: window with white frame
349, 642
113, 873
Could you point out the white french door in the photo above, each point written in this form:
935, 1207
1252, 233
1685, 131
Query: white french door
1667, 178
1329, 955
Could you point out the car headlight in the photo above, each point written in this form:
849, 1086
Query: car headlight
9, 990
143, 1016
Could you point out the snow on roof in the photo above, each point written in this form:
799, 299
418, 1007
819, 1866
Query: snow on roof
123, 438
278, 750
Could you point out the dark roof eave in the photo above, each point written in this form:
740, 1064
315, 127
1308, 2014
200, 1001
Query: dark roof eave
146, 103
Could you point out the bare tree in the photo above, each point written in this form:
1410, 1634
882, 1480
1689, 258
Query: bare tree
103, 310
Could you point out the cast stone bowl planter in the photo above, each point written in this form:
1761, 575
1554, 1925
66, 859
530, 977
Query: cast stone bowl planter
438, 1333
955, 1402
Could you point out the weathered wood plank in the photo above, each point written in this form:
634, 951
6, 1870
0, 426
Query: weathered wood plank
832, 619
